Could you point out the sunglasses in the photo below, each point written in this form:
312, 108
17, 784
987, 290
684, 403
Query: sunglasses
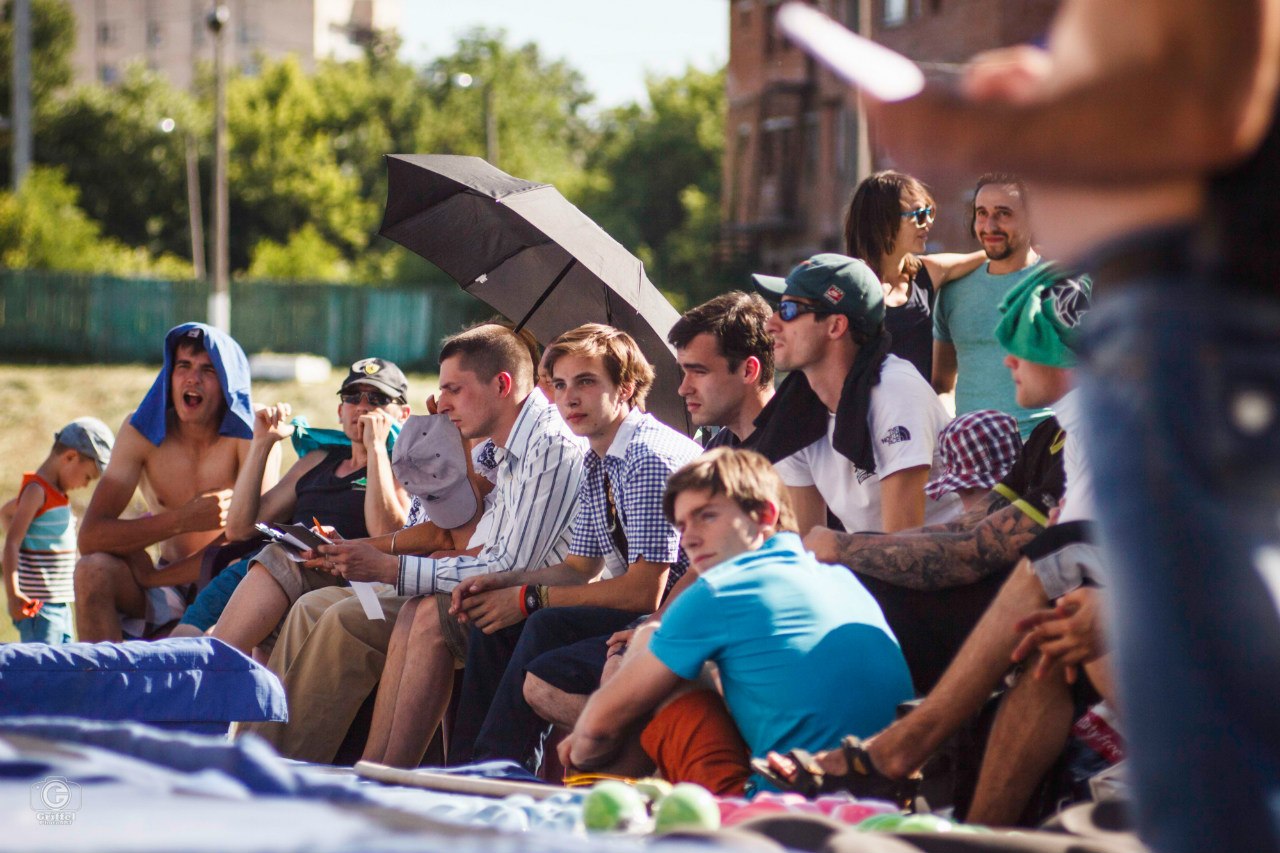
922, 215
374, 398
788, 311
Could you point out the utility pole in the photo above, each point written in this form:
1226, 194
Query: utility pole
220, 294
20, 97
864, 133
490, 125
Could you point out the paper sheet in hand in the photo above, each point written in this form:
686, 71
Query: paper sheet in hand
368, 596
876, 70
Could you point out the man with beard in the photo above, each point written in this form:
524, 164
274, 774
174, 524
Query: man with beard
966, 310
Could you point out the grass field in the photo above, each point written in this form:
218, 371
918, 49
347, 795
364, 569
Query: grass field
37, 400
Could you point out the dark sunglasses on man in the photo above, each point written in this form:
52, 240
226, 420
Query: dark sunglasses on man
374, 398
922, 215
789, 310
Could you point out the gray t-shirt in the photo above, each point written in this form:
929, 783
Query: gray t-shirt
966, 315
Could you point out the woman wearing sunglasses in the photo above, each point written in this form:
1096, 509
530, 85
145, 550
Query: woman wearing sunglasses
887, 225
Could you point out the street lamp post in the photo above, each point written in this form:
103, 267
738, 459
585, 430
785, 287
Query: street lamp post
220, 293
195, 215
466, 81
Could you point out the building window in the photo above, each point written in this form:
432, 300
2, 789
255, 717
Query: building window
744, 13
154, 33
106, 34
894, 13
108, 74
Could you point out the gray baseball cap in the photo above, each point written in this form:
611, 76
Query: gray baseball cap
430, 461
89, 437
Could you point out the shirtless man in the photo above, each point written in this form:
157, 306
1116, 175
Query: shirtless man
183, 447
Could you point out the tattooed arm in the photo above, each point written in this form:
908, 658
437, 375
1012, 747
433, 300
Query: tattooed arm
979, 543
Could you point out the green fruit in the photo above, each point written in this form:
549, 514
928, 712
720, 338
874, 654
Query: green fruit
688, 806
653, 788
881, 823
612, 805
925, 823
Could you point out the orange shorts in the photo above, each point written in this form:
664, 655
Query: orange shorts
693, 739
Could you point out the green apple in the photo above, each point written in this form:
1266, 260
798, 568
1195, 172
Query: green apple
688, 806
612, 805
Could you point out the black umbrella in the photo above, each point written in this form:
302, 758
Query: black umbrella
525, 250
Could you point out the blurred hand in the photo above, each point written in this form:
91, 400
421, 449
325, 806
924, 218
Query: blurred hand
493, 610
271, 423
17, 604
432, 407
1011, 75
824, 543
375, 426
473, 586
359, 561
206, 511
1067, 634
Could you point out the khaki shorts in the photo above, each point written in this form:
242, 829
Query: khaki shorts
295, 579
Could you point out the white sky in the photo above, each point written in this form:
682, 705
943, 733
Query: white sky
613, 43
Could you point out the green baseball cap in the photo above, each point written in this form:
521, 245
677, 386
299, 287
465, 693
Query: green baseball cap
840, 284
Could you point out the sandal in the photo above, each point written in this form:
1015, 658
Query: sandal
861, 779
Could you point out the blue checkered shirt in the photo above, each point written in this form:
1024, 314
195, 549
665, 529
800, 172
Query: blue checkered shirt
643, 455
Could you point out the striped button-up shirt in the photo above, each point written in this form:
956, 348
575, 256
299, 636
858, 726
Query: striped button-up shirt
533, 504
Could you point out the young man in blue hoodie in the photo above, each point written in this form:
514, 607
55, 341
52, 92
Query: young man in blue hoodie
183, 447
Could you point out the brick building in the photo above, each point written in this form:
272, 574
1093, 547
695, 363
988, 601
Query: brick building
794, 149
171, 36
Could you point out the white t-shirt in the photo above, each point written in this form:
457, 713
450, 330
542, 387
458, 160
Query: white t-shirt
906, 417
1078, 499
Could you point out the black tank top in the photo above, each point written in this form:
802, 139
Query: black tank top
911, 324
336, 502
1239, 225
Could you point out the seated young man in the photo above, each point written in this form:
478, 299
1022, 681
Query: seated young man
859, 431
554, 622
183, 447
802, 651
330, 655
348, 487
1040, 317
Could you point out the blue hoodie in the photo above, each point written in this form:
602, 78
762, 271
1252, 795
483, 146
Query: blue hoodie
229, 360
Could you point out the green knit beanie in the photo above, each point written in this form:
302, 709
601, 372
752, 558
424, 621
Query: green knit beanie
1041, 314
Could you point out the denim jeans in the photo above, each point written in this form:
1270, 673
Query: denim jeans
493, 683
1181, 382
51, 625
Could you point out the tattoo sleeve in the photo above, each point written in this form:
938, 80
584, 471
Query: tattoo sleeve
960, 552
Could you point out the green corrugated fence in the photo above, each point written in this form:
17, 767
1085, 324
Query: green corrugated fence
84, 318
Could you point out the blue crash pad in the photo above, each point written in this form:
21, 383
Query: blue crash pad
194, 684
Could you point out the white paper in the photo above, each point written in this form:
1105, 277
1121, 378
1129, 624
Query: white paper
368, 595
875, 69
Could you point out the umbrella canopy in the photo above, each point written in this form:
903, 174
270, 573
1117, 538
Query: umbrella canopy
530, 254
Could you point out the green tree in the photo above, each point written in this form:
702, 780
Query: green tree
304, 257
43, 227
537, 107
111, 143
658, 177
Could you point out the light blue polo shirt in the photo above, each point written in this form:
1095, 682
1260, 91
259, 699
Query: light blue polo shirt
804, 652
